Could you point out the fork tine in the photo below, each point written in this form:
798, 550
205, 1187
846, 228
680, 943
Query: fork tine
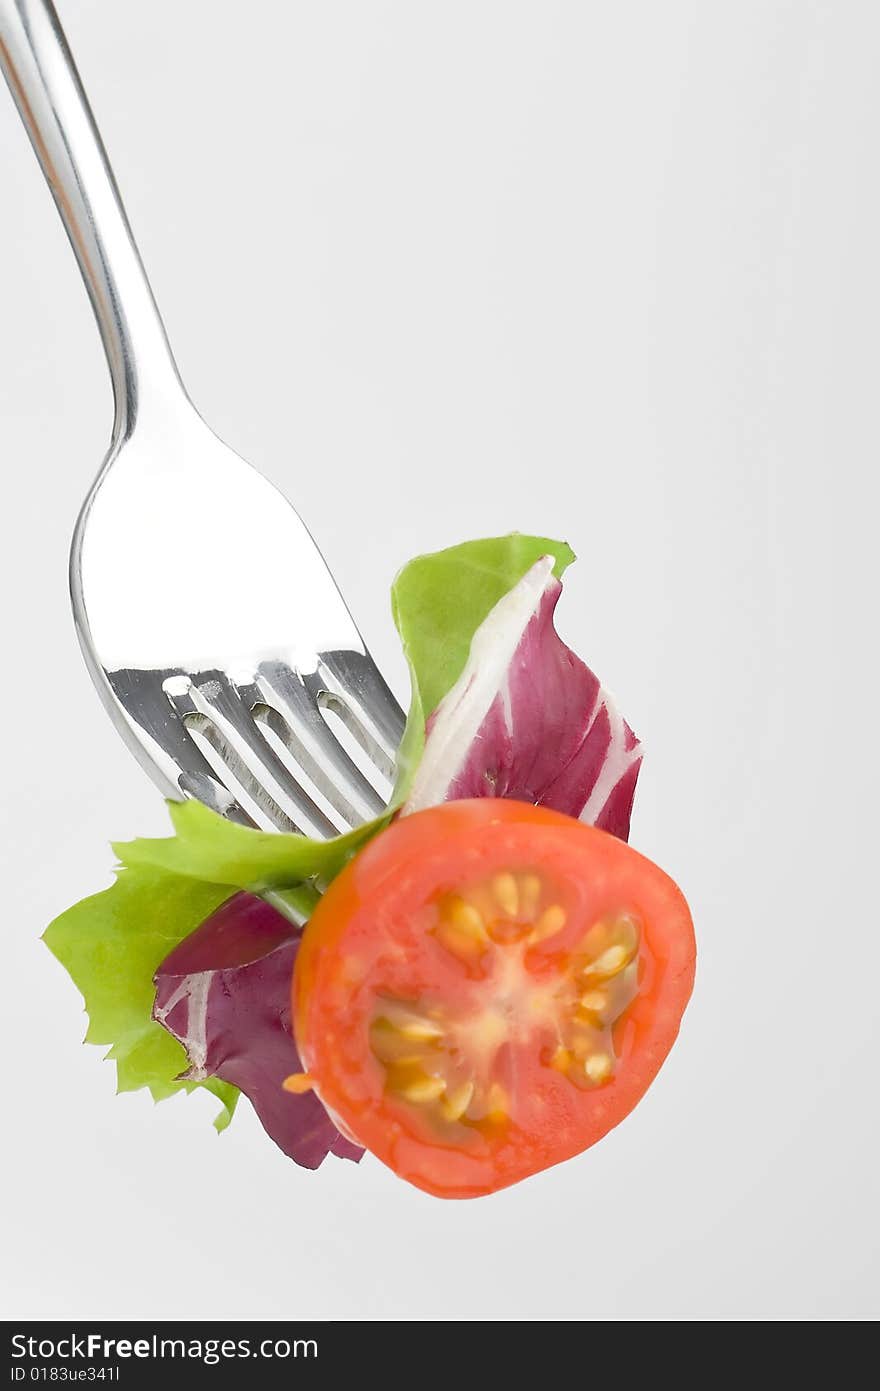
172, 747
312, 743
267, 814
351, 685
228, 724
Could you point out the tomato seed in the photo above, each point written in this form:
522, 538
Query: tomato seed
598, 1067
457, 1102
423, 1089
504, 887
498, 1102
421, 1030
551, 921
530, 894
468, 919
298, 1083
610, 962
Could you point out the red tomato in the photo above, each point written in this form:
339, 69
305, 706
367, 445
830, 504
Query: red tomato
488, 989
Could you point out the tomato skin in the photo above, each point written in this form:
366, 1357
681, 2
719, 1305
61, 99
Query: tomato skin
365, 934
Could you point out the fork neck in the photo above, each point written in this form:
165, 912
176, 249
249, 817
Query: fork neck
45, 85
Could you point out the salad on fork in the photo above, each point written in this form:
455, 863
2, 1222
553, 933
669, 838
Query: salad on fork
428, 938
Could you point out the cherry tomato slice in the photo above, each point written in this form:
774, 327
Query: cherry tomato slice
487, 989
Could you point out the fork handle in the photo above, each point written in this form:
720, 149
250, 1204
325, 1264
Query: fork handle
45, 85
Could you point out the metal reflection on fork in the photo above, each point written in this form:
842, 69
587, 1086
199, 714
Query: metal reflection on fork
211, 626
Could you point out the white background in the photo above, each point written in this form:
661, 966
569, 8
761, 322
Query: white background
602, 271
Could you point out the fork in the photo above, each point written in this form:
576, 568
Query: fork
208, 618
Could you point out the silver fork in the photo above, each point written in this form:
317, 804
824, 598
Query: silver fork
208, 619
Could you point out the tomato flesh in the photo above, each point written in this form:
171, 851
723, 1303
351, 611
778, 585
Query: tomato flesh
488, 989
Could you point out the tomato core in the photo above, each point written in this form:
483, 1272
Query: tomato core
450, 1060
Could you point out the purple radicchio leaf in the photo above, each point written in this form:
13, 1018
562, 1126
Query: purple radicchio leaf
224, 993
527, 719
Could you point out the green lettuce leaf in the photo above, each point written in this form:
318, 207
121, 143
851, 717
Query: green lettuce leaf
438, 602
112, 943
206, 846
